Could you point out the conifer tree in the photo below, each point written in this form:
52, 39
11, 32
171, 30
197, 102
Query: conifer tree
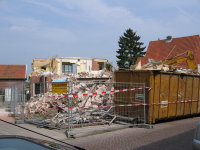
130, 49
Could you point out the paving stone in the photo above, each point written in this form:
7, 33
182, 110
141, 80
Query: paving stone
172, 135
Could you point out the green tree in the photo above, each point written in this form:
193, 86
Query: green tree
130, 49
108, 66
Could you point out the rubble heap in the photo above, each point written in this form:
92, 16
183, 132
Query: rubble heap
157, 65
42, 105
73, 76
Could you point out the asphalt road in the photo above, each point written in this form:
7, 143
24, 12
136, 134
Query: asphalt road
173, 135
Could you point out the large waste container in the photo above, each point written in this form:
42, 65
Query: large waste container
179, 91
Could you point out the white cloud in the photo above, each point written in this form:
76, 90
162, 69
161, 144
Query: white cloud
26, 23
186, 17
88, 10
99, 11
51, 8
116, 17
18, 28
38, 29
172, 3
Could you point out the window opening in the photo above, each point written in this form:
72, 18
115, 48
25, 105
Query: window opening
101, 66
44, 67
37, 88
67, 68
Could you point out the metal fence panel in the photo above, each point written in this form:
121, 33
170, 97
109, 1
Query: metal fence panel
86, 105
5, 96
16, 100
124, 105
2, 101
42, 106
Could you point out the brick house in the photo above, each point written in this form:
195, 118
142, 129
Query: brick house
160, 49
12, 74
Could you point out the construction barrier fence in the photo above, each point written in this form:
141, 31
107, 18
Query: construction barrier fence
85, 105
12, 98
79, 105
17, 101
4, 96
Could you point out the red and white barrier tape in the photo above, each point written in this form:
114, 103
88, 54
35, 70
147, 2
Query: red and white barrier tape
100, 106
166, 103
110, 92
124, 105
99, 93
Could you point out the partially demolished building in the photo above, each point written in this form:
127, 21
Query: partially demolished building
59, 69
68, 64
84, 75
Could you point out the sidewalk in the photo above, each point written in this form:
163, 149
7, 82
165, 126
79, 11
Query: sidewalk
169, 135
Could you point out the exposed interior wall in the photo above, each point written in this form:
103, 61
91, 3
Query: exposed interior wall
46, 67
58, 66
89, 65
82, 67
82, 64
102, 63
95, 65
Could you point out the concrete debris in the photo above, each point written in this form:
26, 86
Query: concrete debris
92, 74
157, 65
54, 110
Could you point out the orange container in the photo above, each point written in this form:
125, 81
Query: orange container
170, 88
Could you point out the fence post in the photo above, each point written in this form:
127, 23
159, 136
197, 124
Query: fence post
71, 103
69, 133
11, 98
14, 100
23, 101
68, 108
144, 103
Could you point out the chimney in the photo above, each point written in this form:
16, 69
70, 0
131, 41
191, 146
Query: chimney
169, 39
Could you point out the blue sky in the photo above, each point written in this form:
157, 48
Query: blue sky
88, 28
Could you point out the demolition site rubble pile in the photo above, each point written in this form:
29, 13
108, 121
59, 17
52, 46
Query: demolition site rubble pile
158, 65
52, 108
73, 76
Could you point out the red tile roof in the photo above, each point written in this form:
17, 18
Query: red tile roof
159, 50
12, 71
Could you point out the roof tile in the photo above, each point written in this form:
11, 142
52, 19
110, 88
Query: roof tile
13, 71
159, 50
